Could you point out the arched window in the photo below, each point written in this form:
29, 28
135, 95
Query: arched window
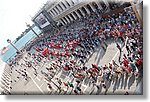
62, 21
80, 12
60, 7
83, 9
75, 15
103, 5
55, 11
95, 5
68, 3
63, 4
72, 17
52, 12
72, 2
68, 18
89, 7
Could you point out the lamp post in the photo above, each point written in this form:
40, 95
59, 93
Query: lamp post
134, 6
9, 41
28, 25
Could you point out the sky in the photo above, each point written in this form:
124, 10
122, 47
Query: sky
13, 15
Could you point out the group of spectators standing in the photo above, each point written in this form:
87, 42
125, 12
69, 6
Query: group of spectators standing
70, 48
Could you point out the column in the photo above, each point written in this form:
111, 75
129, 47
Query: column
59, 8
87, 10
107, 5
136, 12
74, 16
70, 17
82, 12
122, 2
54, 12
57, 12
66, 4
62, 6
64, 20
98, 4
69, 1
78, 14
51, 14
106, 2
67, 19
75, 1
92, 7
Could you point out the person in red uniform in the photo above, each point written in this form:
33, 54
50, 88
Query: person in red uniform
139, 62
77, 42
65, 84
57, 54
94, 66
66, 53
66, 68
125, 62
37, 49
53, 53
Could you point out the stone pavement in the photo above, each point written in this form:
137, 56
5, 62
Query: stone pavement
37, 84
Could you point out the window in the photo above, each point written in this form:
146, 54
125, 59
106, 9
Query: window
72, 17
72, 2
63, 4
68, 4
57, 9
83, 9
60, 7
68, 18
103, 5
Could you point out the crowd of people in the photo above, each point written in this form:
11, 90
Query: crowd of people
69, 49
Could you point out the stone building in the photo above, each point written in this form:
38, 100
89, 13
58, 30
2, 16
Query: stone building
63, 12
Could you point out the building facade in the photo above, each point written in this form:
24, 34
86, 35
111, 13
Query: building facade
43, 20
66, 11
63, 12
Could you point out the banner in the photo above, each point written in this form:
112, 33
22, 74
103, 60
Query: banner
42, 21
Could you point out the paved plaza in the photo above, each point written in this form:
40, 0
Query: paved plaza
85, 48
38, 85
